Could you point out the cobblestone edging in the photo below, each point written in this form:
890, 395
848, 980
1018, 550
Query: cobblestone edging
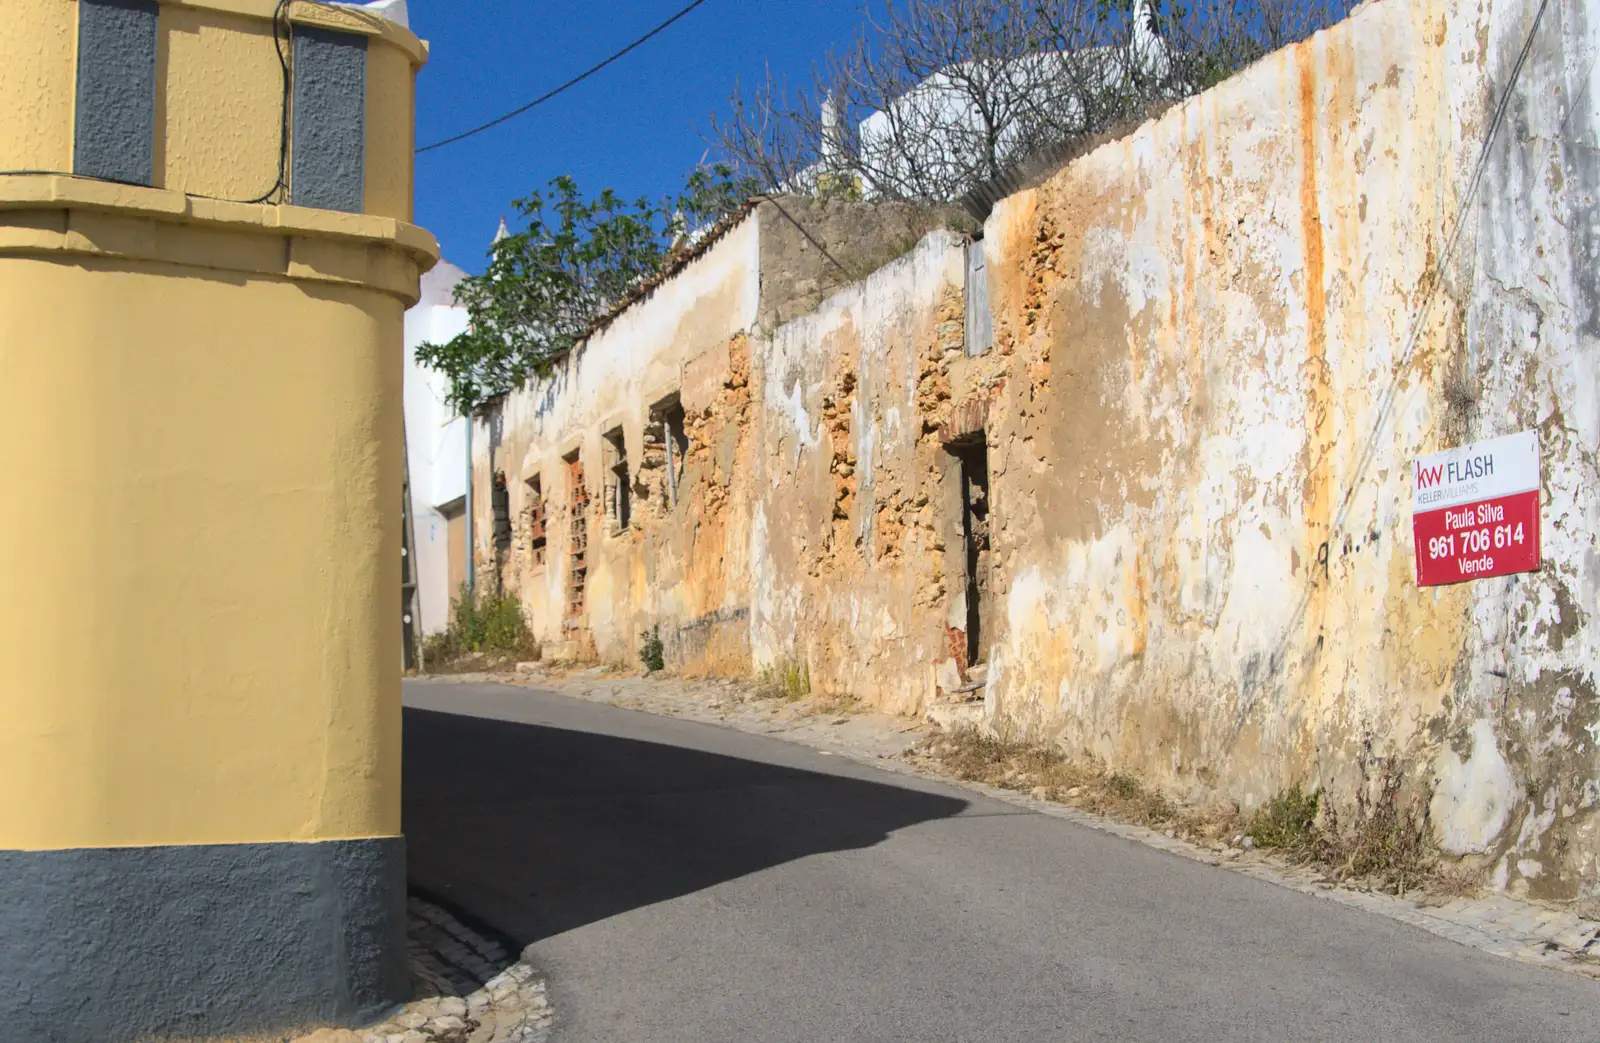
468, 990
1493, 923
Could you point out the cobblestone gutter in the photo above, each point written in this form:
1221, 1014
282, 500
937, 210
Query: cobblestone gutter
469, 990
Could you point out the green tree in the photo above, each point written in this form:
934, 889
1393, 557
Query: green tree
574, 259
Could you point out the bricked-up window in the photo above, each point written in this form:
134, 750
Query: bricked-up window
534, 512
619, 498
666, 445
578, 552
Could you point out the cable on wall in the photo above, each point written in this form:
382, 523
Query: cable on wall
1434, 279
282, 38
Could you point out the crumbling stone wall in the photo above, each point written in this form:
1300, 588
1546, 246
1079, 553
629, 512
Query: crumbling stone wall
1216, 399
1215, 355
851, 528
684, 562
860, 238
676, 564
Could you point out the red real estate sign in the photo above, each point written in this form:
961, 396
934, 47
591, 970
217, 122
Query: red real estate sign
1475, 510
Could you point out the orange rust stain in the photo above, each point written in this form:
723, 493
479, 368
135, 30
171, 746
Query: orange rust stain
1310, 210
1140, 616
1316, 462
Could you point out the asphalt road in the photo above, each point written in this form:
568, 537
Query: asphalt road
682, 883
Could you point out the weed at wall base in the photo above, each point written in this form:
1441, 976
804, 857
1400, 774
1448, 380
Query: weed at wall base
1048, 773
652, 654
1385, 841
493, 626
789, 680
1288, 822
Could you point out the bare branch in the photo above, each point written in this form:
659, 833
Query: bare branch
936, 96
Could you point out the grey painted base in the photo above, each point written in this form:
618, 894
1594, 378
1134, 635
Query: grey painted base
120, 944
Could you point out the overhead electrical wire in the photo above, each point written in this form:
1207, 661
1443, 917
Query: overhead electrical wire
813, 239
541, 99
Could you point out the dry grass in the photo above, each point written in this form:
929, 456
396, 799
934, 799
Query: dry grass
1048, 774
831, 703
789, 680
1387, 842
1383, 842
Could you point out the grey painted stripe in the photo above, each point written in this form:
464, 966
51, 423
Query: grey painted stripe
115, 132
121, 944
330, 119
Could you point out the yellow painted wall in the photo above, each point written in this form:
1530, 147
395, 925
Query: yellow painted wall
220, 95
201, 600
38, 68
200, 440
391, 134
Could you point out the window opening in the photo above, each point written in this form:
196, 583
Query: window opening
619, 499
667, 444
500, 502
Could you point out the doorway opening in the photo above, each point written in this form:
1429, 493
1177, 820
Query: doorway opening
972, 453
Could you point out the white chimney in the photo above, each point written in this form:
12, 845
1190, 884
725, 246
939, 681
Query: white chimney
832, 144
1149, 50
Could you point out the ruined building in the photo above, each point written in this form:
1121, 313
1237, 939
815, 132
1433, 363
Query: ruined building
1130, 470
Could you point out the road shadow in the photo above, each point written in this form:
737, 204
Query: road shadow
537, 830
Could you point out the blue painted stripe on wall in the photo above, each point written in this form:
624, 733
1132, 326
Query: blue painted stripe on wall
330, 120
115, 132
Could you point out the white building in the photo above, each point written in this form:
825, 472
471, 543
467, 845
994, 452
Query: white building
929, 135
436, 451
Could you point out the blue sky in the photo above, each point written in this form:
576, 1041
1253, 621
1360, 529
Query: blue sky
632, 127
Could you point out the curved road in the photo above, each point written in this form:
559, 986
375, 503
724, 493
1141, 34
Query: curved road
682, 883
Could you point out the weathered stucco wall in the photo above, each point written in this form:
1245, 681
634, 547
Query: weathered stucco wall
685, 563
1217, 350
673, 561
849, 539
1213, 400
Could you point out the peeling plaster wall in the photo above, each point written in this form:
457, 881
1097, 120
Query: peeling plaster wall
1215, 356
672, 566
1212, 405
692, 565
850, 536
